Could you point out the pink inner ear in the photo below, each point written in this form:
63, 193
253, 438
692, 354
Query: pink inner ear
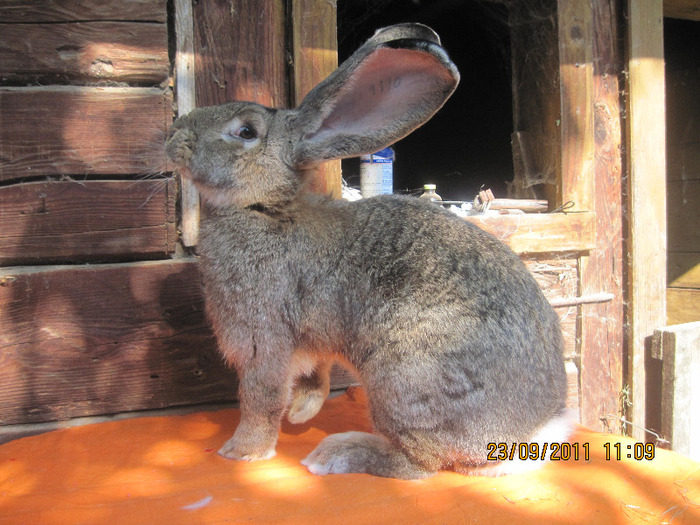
388, 86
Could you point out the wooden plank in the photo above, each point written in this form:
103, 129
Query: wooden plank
77, 341
83, 131
185, 93
601, 270
576, 84
683, 305
33, 11
646, 194
84, 53
542, 232
687, 9
677, 346
240, 52
101, 339
315, 56
87, 221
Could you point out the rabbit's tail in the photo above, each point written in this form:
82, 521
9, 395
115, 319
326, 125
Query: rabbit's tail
360, 452
547, 443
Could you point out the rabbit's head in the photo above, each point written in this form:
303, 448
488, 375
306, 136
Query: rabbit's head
244, 154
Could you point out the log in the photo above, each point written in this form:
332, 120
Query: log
240, 50
542, 232
68, 130
78, 53
71, 221
79, 341
33, 11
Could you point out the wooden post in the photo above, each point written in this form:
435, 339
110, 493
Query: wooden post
677, 346
185, 93
315, 56
646, 199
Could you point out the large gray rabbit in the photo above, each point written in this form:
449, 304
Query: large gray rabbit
451, 337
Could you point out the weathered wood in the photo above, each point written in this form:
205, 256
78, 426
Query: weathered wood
688, 9
684, 270
86, 340
315, 56
646, 194
84, 53
87, 221
80, 130
575, 27
185, 96
683, 305
542, 233
240, 50
32, 11
601, 270
101, 339
677, 346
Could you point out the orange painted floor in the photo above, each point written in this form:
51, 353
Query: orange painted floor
165, 470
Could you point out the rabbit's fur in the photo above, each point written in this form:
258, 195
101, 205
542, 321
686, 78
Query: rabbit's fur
448, 332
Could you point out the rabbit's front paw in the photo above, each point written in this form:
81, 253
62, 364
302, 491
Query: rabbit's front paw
247, 450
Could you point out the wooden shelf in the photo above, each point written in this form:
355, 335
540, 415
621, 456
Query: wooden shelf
542, 232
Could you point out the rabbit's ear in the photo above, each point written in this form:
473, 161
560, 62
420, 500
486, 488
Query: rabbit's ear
393, 84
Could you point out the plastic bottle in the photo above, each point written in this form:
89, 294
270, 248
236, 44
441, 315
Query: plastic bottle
429, 193
377, 173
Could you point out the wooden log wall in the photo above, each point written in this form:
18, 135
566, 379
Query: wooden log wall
88, 325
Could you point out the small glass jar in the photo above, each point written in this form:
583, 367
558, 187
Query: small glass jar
429, 193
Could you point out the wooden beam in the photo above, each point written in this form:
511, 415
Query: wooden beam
687, 9
240, 50
69, 53
646, 192
84, 130
315, 56
601, 325
86, 340
40, 11
542, 233
677, 347
74, 221
185, 97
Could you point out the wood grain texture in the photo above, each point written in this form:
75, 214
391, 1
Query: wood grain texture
44, 222
683, 305
33, 11
315, 56
542, 233
86, 340
602, 325
79, 53
646, 194
240, 52
687, 9
185, 97
677, 346
81, 130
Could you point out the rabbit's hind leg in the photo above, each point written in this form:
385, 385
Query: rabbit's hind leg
310, 391
361, 452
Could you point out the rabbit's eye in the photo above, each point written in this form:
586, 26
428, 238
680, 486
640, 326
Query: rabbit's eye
246, 133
